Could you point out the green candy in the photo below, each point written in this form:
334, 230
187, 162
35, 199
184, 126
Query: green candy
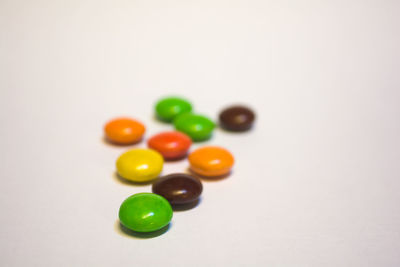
198, 127
168, 108
145, 212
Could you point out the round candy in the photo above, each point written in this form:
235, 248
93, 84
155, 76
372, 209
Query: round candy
211, 161
172, 145
178, 188
168, 108
140, 165
145, 212
198, 127
124, 131
237, 118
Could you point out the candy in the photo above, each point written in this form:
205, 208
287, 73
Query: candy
211, 161
178, 188
172, 145
124, 131
140, 165
198, 127
169, 108
237, 118
145, 212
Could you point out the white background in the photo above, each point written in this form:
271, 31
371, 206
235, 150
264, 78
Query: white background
316, 183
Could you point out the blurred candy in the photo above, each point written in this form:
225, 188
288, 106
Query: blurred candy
198, 127
172, 145
211, 161
169, 108
236, 118
124, 131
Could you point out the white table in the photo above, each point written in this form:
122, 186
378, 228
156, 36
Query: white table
316, 183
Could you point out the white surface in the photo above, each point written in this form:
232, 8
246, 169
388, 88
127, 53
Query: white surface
316, 183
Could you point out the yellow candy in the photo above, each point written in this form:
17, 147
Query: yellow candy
140, 165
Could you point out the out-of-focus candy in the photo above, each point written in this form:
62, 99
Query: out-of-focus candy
237, 118
211, 161
124, 131
172, 145
170, 107
198, 127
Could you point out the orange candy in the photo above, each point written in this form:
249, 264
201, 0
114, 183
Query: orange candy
211, 161
124, 131
172, 145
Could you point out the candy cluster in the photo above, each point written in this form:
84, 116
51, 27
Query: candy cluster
148, 212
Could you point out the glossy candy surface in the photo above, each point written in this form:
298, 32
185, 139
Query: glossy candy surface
237, 118
124, 131
145, 212
169, 108
172, 145
211, 161
198, 127
140, 165
178, 188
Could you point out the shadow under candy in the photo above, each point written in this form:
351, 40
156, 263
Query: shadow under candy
185, 207
109, 142
122, 180
122, 230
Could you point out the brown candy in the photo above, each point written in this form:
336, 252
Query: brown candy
178, 188
237, 118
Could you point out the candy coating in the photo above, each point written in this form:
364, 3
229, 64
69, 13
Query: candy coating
237, 118
198, 127
170, 107
211, 161
172, 145
140, 165
178, 188
124, 131
145, 212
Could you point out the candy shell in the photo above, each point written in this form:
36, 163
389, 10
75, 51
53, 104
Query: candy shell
237, 118
145, 212
198, 127
124, 131
170, 107
172, 145
140, 165
178, 188
211, 161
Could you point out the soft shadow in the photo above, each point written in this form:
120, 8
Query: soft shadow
243, 132
185, 207
207, 178
107, 141
124, 181
122, 230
